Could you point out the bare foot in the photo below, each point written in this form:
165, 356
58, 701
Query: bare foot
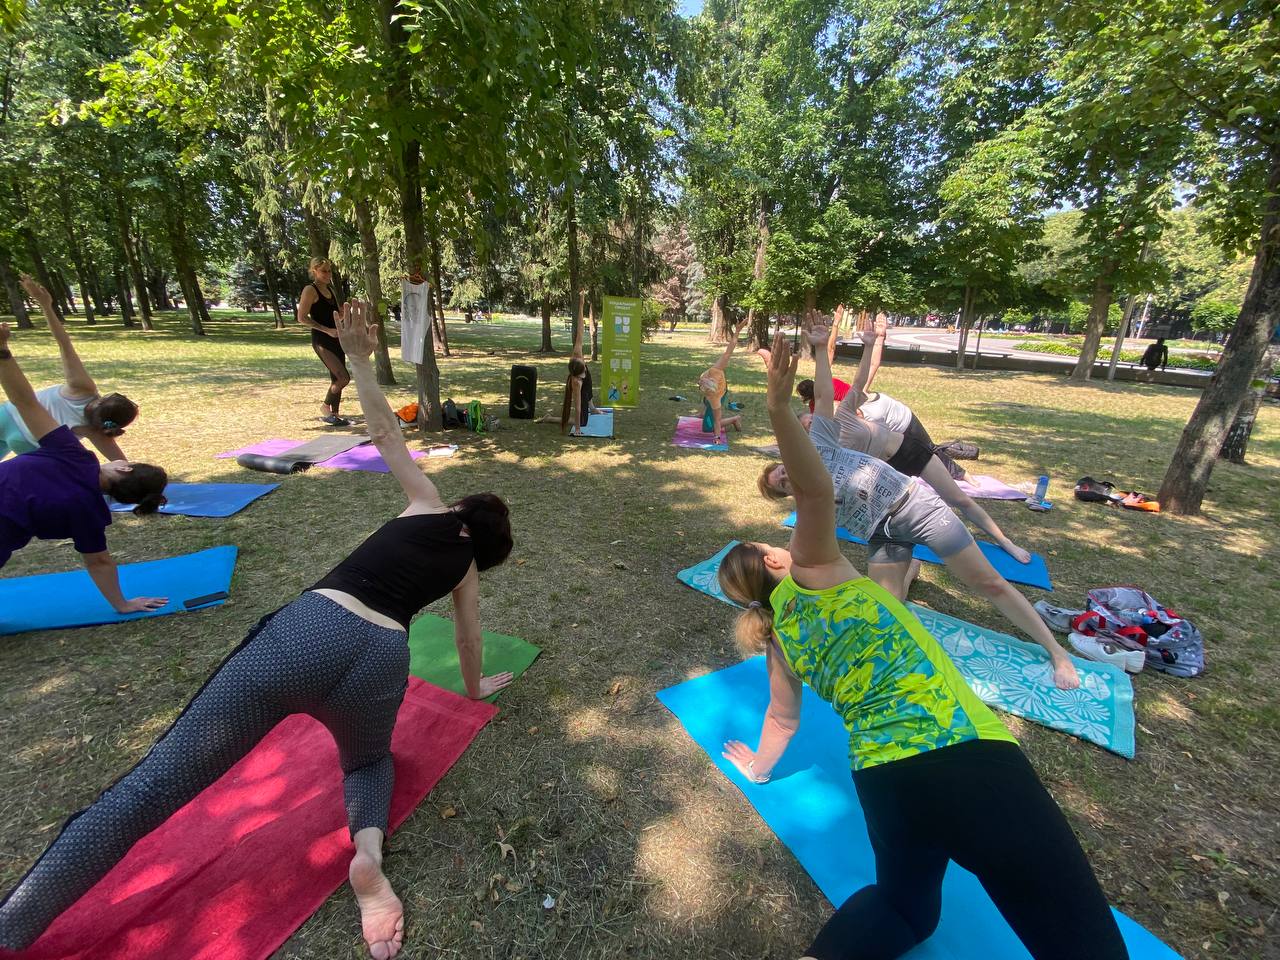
381, 913
1065, 675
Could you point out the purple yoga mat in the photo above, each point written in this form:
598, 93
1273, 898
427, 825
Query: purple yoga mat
982, 487
364, 457
689, 434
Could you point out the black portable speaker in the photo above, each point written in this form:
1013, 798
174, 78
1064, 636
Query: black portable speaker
524, 391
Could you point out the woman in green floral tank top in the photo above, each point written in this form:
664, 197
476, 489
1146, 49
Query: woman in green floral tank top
937, 775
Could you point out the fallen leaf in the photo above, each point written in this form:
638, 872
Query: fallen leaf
448, 812
477, 926
506, 848
533, 730
1223, 897
619, 565
514, 886
616, 688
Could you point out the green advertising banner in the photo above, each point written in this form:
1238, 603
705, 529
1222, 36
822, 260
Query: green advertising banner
620, 352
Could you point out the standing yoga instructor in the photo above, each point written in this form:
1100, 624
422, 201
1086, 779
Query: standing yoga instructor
316, 309
937, 775
338, 653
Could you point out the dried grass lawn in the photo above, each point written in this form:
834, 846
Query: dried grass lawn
611, 809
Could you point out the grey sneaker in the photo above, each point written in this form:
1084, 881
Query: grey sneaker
1056, 618
1104, 651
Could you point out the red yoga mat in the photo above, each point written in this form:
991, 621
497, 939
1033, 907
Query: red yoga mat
235, 872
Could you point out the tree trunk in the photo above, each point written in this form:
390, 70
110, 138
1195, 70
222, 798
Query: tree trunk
373, 287
127, 312
100, 301
966, 318
1123, 332
439, 287
269, 276
719, 321
318, 238
17, 302
547, 345
1237, 442
415, 248
1099, 304
1187, 479
123, 220
73, 249
575, 276
64, 291
41, 270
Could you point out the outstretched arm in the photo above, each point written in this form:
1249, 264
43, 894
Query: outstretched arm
869, 365
836, 319
579, 324
470, 640
107, 446
781, 721
73, 371
575, 391
723, 362
358, 335
102, 571
813, 543
18, 389
824, 391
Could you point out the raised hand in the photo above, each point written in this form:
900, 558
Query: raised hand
882, 325
782, 372
870, 336
817, 336
37, 292
357, 332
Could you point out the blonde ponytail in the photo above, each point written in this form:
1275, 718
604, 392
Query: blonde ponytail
746, 580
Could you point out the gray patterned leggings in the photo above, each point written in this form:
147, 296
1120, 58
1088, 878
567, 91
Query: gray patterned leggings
312, 657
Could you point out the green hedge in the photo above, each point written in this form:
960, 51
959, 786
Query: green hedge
1178, 361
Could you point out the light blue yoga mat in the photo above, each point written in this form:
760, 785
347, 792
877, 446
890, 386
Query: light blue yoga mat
54, 600
1009, 674
1033, 574
205, 499
598, 425
811, 805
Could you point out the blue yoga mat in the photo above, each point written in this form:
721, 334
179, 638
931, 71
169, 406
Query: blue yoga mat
1009, 674
51, 601
1033, 574
598, 425
811, 805
205, 499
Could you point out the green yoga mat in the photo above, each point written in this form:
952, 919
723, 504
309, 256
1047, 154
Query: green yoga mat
433, 656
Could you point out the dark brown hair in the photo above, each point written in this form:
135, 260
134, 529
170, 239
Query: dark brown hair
805, 389
111, 414
489, 521
143, 485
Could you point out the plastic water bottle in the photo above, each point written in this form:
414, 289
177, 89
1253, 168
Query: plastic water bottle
1042, 487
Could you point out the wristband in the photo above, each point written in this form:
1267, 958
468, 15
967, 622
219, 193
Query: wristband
751, 770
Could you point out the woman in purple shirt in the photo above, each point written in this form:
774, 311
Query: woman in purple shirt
55, 492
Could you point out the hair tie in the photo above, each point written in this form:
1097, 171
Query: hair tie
754, 604
108, 424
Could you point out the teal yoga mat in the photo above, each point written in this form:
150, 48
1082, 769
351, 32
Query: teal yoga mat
811, 806
52, 601
1033, 574
1009, 674
205, 499
598, 425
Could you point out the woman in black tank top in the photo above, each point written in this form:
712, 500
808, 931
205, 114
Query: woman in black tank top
316, 309
339, 653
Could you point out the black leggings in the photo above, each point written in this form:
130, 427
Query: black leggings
312, 657
334, 358
980, 804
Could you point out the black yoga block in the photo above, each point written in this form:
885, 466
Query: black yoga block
524, 391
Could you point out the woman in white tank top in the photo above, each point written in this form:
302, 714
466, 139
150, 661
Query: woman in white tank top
76, 403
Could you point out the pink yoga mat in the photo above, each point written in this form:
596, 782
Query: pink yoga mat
689, 434
982, 487
364, 457
235, 872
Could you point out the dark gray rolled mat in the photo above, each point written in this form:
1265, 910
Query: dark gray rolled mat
302, 456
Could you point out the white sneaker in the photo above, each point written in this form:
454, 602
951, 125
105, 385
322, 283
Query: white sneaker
1104, 651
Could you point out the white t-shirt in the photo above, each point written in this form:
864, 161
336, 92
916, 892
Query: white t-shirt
866, 488
65, 412
415, 302
858, 433
894, 414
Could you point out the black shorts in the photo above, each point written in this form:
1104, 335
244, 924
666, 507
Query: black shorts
912, 457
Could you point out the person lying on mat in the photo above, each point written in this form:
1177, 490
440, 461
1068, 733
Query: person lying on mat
75, 403
579, 395
339, 652
55, 491
715, 390
938, 776
885, 410
893, 513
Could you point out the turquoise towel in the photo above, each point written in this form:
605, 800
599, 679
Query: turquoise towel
1009, 674
811, 806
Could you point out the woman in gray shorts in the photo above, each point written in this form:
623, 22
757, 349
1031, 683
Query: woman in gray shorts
893, 513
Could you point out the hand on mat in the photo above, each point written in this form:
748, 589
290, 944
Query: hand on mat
739, 754
782, 372
1065, 676
491, 685
357, 331
818, 336
139, 604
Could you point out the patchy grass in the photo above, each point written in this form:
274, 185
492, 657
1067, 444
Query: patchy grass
611, 809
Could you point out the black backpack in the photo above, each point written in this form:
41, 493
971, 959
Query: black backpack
451, 415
